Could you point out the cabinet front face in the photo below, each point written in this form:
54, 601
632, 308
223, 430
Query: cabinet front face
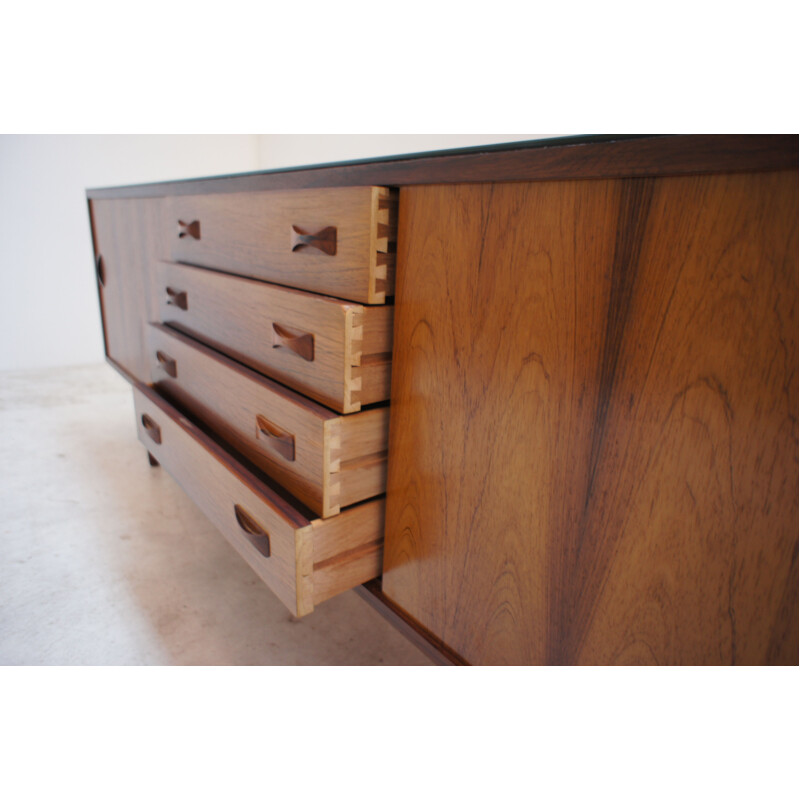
593, 437
126, 238
311, 454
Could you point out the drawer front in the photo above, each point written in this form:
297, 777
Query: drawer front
323, 459
331, 241
335, 352
304, 561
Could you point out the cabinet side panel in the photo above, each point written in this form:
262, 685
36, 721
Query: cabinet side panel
593, 436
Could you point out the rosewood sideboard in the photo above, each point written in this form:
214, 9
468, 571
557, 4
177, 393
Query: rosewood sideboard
536, 403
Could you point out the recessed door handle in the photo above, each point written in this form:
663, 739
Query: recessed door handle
100, 269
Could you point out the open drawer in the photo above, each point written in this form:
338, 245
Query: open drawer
326, 460
336, 352
302, 559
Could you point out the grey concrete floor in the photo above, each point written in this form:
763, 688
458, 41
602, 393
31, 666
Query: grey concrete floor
104, 560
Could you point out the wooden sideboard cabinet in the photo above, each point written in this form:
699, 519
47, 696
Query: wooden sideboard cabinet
536, 403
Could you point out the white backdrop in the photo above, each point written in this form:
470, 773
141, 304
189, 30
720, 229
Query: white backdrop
49, 314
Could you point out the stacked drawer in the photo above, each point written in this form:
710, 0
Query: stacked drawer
270, 346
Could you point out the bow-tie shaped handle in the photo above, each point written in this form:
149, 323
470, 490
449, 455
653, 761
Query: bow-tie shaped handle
189, 229
325, 240
300, 343
177, 298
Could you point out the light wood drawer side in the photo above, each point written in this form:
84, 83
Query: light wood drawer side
309, 559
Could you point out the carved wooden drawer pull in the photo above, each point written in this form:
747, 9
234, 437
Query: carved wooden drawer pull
325, 240
257, 536
278, 439
152, 427
302, 344
191, 229
176, 298
169, 365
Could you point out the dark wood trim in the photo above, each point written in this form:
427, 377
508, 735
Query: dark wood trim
432, 646
96, 254
566, 158
121, 370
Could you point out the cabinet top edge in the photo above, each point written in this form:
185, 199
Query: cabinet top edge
563, 158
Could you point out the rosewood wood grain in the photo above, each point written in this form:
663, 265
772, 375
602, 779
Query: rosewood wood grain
565, 158
335, 352
303, 560
324, 240
126, 235
594, 420
435, 649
